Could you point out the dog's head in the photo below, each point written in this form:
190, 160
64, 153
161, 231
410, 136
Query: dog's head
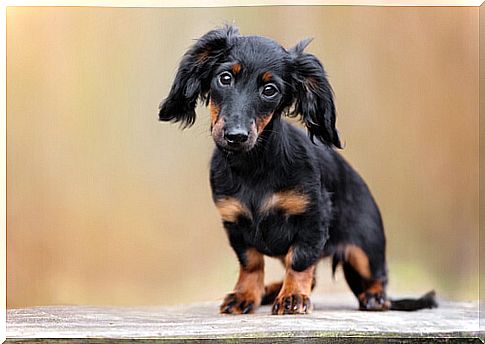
248, 82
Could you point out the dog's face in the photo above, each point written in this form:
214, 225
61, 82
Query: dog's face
247, 89
248, 82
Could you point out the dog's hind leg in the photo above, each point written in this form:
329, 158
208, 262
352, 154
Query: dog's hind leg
373, 297
270, 292
367, 284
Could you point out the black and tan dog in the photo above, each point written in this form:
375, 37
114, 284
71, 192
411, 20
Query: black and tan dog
279, 191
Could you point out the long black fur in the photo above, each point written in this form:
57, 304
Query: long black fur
341, 211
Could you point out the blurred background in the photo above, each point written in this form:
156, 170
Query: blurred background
106, 205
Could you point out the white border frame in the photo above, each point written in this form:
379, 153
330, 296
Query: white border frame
141, 3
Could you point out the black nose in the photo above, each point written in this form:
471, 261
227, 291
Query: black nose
236, 136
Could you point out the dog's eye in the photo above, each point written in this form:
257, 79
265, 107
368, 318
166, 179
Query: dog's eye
269, 91
225, 79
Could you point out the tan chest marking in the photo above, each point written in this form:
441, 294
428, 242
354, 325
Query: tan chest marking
291, 202
231, 209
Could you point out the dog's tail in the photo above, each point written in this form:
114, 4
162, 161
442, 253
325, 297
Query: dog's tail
428, 300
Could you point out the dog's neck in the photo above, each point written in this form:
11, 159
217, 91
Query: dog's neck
271, 149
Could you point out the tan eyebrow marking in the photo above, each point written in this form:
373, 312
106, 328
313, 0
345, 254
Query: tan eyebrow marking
266, 76
236, 68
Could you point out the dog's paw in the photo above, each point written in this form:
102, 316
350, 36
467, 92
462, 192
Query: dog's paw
238, 303
292, 304
373, 302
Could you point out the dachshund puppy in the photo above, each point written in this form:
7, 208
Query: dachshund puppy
281, 192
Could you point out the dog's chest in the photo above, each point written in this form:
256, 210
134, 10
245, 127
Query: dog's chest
267, 221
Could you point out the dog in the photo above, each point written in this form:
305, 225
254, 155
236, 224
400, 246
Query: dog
281, 192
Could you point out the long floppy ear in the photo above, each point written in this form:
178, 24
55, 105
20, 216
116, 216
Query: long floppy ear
194, 75
313, 96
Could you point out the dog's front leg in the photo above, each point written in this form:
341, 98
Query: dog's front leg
249, 288
294, 296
